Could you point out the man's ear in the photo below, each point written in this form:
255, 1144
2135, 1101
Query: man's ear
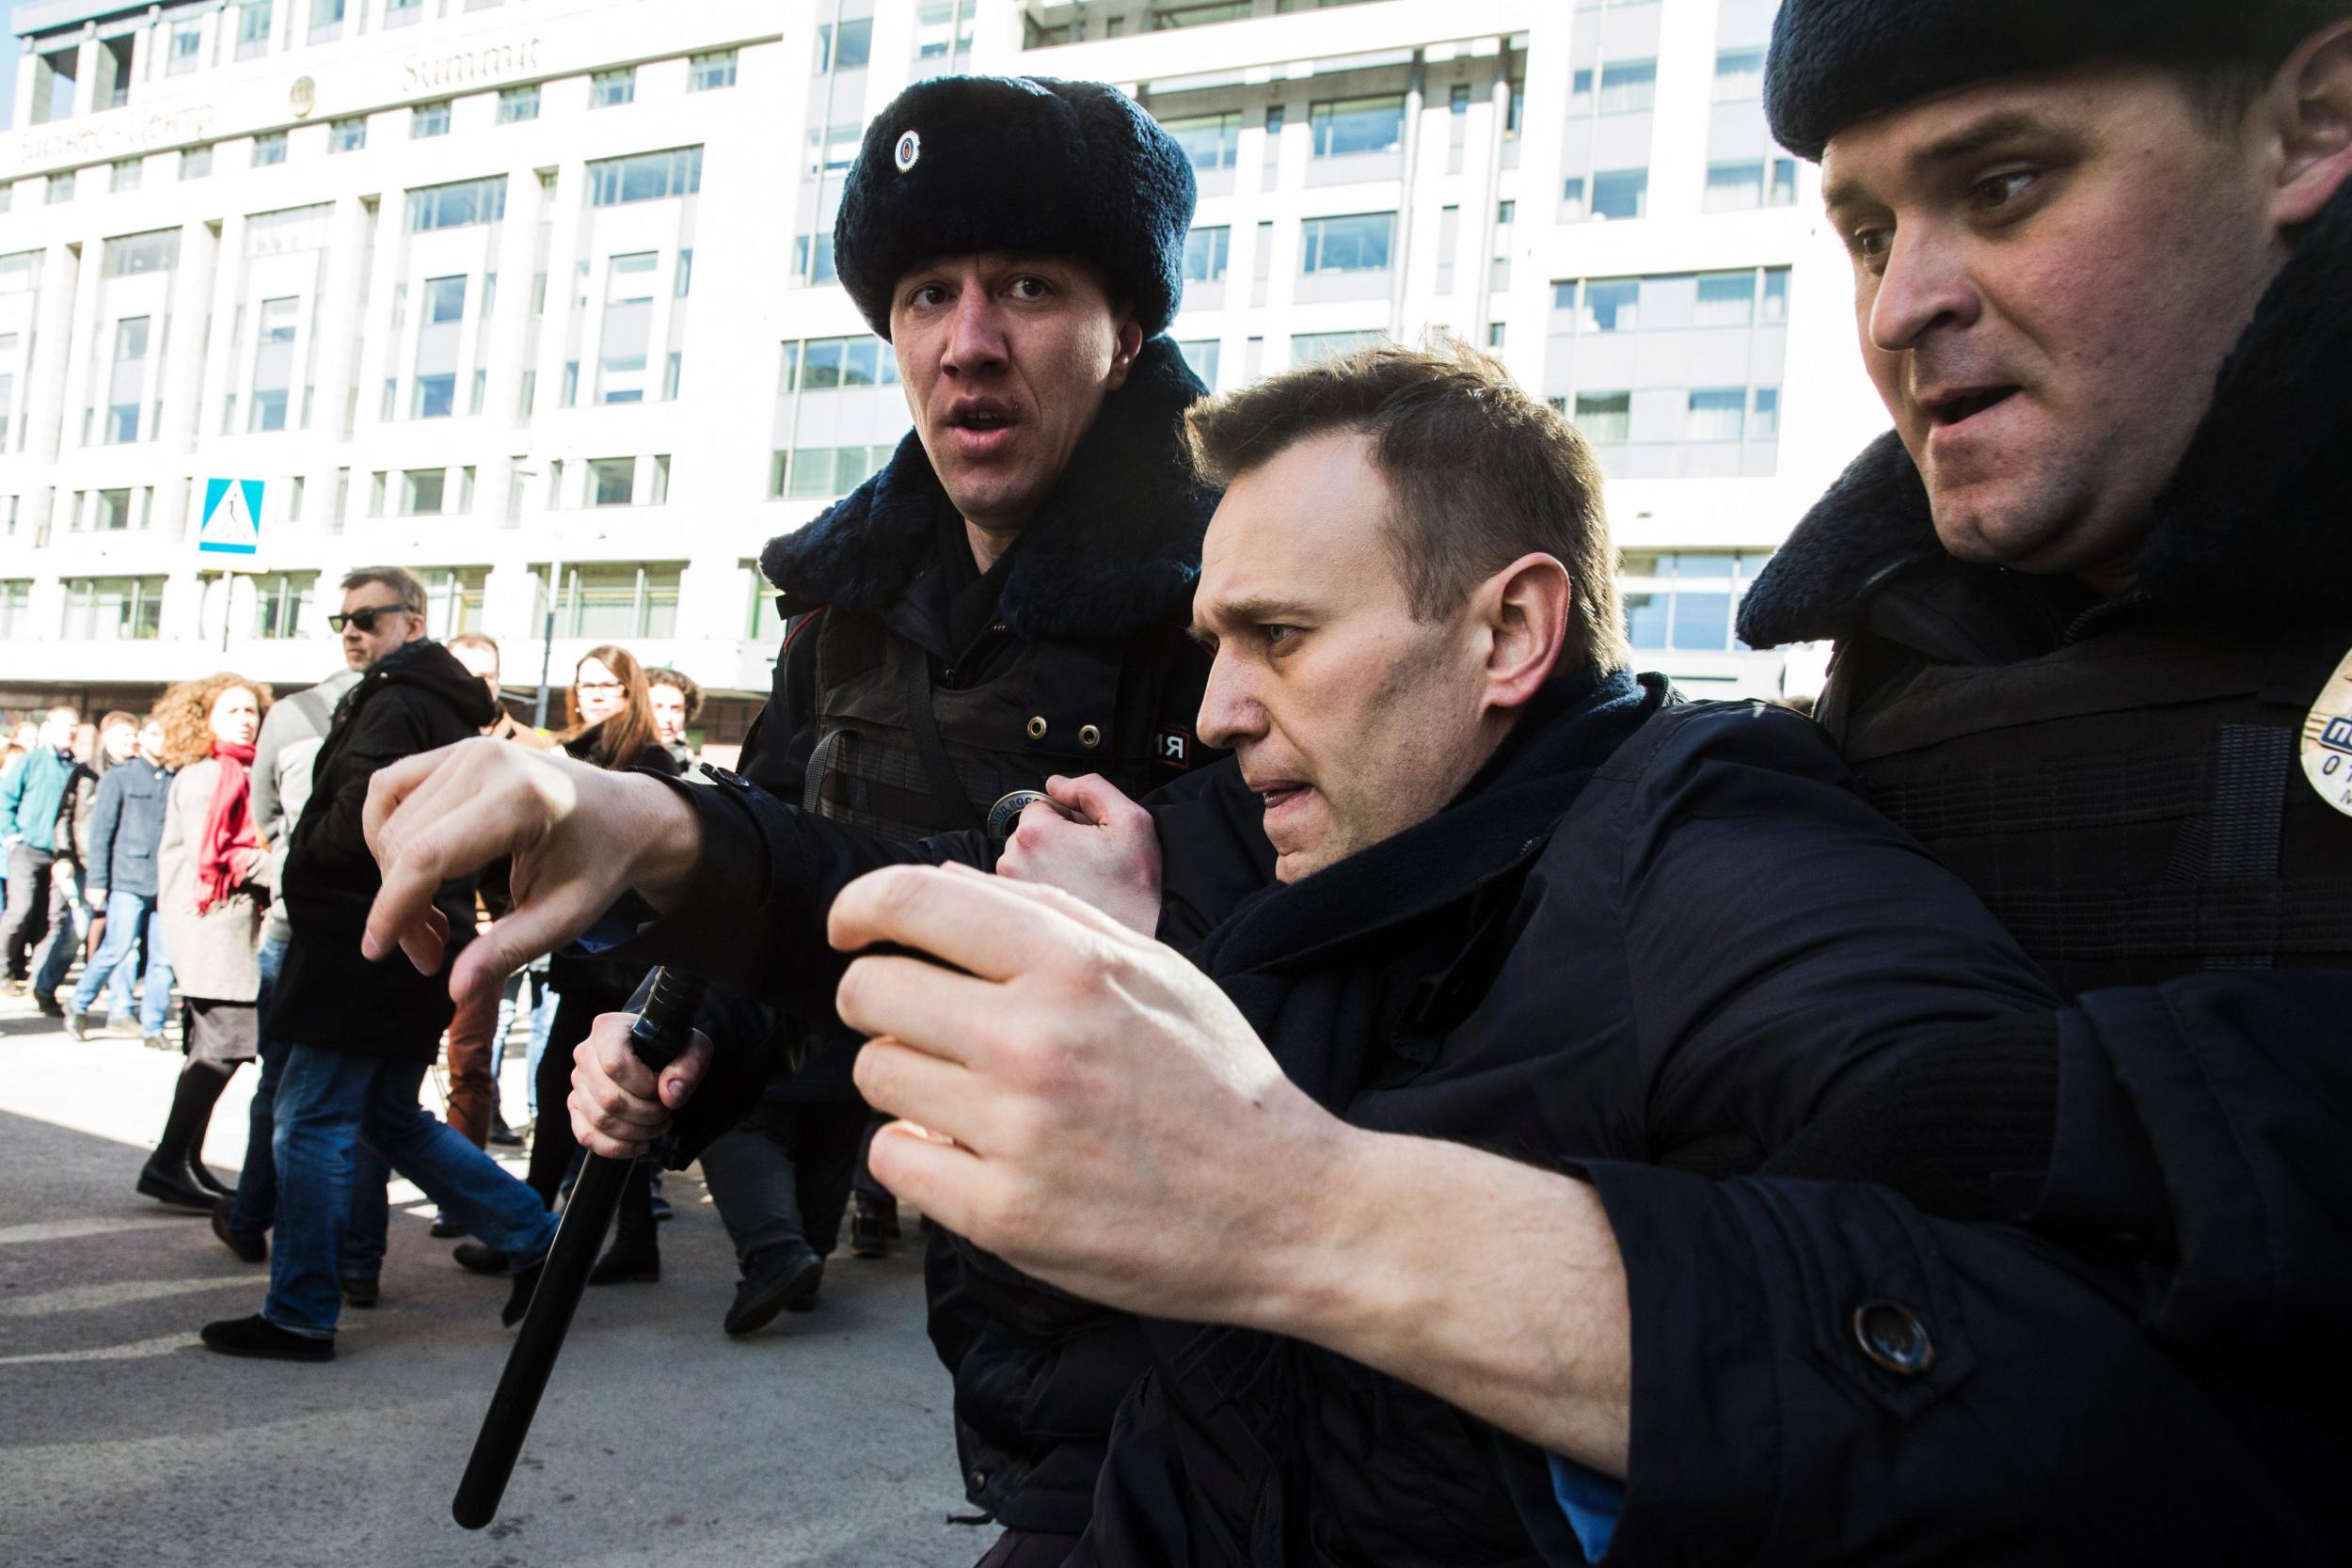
1125, 347
1525, 611
2310, 104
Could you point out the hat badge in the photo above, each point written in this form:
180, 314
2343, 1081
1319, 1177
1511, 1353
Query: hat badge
910, 148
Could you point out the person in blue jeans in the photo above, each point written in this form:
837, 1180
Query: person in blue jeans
126, 824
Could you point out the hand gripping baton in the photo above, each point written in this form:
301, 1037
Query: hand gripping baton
662, 1032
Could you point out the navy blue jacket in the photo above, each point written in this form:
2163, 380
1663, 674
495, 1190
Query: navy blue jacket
125, 824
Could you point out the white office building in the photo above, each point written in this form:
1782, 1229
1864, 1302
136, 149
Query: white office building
537, 294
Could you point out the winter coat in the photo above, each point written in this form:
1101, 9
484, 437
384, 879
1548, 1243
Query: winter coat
292, 733
214, 956
38, 796
1661, 936
414, 698
1084, 667
126, 825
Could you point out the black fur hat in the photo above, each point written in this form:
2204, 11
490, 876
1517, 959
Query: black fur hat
964, 164
1837, 61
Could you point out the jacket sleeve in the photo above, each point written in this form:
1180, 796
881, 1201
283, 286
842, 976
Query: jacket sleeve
1782, 940
105, 820
12, 794
267, 806
383, 732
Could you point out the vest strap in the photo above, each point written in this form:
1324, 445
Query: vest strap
924, 724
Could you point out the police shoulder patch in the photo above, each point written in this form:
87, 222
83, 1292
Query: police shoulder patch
2328, 739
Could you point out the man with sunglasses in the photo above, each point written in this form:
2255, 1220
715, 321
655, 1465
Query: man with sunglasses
358, 1037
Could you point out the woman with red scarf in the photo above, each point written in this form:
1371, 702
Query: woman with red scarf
211, 872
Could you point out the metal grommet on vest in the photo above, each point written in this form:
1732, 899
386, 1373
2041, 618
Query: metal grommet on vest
1037, 728
1891, 1334
1089, 737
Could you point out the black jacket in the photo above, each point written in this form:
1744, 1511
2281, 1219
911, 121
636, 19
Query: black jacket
1091, 603
1638, 935
415, 698
126, 824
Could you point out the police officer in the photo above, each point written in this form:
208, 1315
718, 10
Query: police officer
1004, 601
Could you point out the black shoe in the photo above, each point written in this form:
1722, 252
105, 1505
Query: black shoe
77, 1026
628, 1264
359, 1290
868, 1237
49, 1007
207, 1181
444, 1228
167, 1185
480, 1257
787, 1284
519, 1299
257, 1336
253, 1249
505, 1136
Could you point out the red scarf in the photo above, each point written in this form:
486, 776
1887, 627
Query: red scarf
231, 840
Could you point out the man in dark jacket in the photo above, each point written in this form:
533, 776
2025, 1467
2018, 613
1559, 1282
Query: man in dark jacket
1522, 903
1003, 602
39, 794
360, 1036
126, 824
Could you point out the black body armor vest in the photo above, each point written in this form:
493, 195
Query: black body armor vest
2128, 804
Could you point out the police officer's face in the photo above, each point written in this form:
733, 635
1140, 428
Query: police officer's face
2048, 273
1350, 718
1005, 361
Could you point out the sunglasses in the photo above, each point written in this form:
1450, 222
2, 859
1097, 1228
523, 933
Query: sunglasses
364, 617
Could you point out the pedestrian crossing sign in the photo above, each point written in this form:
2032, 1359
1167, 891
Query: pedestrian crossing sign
232, 518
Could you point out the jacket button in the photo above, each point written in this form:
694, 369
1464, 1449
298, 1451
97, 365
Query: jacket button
1089, 737
1891, 1334
1037, 728
979, 1481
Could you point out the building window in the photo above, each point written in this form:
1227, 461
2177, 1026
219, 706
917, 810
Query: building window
819, 364
707, 71
60, 189
453, 597
186, 49
113, 609
433, 397
1204, 255
942, 31
444, 299
646, 177
124, 175
832, 148
846, 50
627, 328
401, 13
820, 472
428, 120
1358, 242
611, 480
613, 601
519, 103
128, 255
455, 205
327, 21
112, 513
1742, 186
16, 601
1201, 356
607, 88
195, 162
1308, 347
421, 492
764, 623
269, 146
252, 27
1738, 76
1211, 141
1351, 125
1686, 601
812, 258
281, 603
347, 136
1202, 15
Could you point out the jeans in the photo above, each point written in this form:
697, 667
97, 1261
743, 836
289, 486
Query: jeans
255, 1208
132, 925
781, 1177
30, 906
328, 1104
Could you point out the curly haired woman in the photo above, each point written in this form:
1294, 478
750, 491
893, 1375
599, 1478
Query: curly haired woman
211, 885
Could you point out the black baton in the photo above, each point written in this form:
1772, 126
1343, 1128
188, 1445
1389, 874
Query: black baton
661, 1033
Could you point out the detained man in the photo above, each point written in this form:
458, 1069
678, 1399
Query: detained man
1519, 901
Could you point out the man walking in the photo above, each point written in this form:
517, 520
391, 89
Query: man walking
126, 825
359, 1037
39, 796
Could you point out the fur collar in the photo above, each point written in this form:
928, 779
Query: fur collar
1116, 546
2258, 518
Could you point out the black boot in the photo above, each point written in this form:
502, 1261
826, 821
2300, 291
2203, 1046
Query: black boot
165, 1177
635, 1256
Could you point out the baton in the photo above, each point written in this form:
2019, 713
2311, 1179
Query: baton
662, 1032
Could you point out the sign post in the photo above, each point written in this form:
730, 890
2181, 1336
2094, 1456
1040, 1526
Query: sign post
231, 528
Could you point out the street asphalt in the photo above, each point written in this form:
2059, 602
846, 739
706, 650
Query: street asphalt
125, 1444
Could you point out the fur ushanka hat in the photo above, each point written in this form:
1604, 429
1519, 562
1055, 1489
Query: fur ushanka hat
960, 165
1834, 62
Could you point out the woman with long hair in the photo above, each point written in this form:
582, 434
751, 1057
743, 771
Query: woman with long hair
212, 874
612, 726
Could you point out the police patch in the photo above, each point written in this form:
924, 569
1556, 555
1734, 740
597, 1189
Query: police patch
910, 148
1175, 748
2327, 741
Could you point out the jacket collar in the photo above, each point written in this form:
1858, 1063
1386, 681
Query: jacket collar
2253, 521
1502, 814
1115, 545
